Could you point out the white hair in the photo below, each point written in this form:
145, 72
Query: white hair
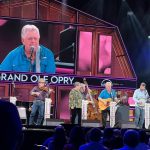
28, 28
82, 84
77, 84
108, 84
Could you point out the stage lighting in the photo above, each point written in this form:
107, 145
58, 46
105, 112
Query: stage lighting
64, 1
130, 13
149, 37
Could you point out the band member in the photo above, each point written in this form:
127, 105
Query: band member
40, 92
122, 111
85, 91
105, 96
75, 103
140, 97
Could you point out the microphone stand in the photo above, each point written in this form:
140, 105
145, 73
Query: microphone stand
73, 49
30, 58
13, 89
65, 49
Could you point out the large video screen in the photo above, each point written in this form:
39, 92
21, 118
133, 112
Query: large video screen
72, 46
59, 38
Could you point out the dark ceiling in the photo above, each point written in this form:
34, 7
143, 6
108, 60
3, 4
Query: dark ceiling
109, 10
133, 19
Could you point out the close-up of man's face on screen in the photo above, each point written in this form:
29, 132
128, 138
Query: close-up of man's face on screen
51, 48
58, 38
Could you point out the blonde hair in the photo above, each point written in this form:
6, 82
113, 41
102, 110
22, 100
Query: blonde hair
28, 28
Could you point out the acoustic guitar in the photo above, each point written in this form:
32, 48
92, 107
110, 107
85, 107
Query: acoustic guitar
104, 103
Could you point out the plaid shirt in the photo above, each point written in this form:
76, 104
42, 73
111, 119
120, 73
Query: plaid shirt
75, 99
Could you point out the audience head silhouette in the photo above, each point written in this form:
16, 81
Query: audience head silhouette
10, 127
58, 140
94, 135
131, 138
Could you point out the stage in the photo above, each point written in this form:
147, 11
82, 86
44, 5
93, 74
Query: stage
50, 123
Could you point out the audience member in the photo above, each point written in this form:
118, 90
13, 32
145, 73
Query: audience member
118, 140
93, 143
10, 127
108, 138
76, 138
57, 141
143, 140
131, 140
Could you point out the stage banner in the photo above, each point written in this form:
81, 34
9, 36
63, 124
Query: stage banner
64, 79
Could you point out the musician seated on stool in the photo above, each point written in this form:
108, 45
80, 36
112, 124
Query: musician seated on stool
105, 97
40, 92
140, 97
122, 112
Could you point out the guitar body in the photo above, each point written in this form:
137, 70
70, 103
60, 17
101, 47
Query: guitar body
141, 102
104, 103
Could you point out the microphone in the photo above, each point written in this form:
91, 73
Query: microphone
111, 94
13, 83
31, 51
13, 88
30, 58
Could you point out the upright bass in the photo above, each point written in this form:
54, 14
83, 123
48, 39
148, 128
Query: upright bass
93, 111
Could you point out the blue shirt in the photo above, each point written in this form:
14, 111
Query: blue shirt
104, 94
16, 60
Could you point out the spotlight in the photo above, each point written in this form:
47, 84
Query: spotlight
130, 13
64, 1
149, 37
